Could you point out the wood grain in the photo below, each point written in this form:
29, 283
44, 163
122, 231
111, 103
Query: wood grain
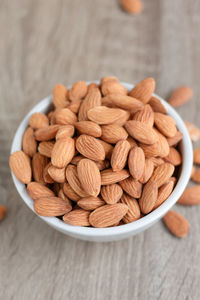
48, 42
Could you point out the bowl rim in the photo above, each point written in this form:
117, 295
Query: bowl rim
144, 222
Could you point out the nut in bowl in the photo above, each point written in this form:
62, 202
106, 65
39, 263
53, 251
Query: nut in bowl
103, 164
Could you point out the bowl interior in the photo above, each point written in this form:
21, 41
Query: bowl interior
141, 224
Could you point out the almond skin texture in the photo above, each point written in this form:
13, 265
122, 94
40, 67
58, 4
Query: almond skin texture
133, 213
111, 193
157, 106
90, 203
165, 124
45, 148
110, 177
176, 223
90, 147
104, 115
47, 178
60, 96
62, 196
77, 217
180, 96
197, 156
124, 102
65, 116
196, 175
121, 121
57, 174
19, 164
64, 132
51, 207
78, 90
63, 152
38, 120
157, 161
132, 142
113, 133
46, 133
132, 6
145, 115
132, 187
89, 176
191, 196
175, 139
92, 99
108, 215
194, 131
89, 128
74, 106
120, 155
149, 196
113, 87
29, 145
174, 157
107, 148
162, 174
136, 162
39, 163
37, 190
74, 182
143, 90
148, 171
69, 192
141, 132
163, 193
2, 212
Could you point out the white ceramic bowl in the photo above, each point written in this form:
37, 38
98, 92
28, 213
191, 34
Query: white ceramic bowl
123, 231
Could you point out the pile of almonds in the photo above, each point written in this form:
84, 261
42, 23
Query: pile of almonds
102, 156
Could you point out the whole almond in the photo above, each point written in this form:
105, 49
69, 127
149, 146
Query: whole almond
132, 6
124, 102
113, 133
191, 196
148, 171
107, 148
74, 106
65, 116
63, 152
90, 147
157, 106
38, 120
176, 223
92, 99
47, 178
51, 206
29, 144
164, 192
37, 190
78, 90
46, 133
89, 176
104, 115
108, 78
157, 161
113, 87
165, 124
145, 115
89, 128
149, 196
136, 162
141, 132
132, 142
39, 162
45, 148
143, 90
121, 121
194, 131
74, 182
173, 141
133, 213
180, 96
65, 131
57, 174
90, 203
132, 187
174, 157
19, 164
92, 86
69, 192
111, 193
77, 217
197, 156
162, 174
60, 96
120, 155
110, 177
108, 215
2, 212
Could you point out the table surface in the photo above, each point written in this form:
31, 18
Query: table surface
47, 42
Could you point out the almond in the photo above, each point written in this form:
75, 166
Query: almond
19, 164
162, 174
120, 155
132, 187
38, 120
194, 132
102, 164
113, 133
157, 105
157, 161
89, 176
193, 171
107, 148
47, 133
92, 99
133, 213
37, 190
90, 203
47, 178
108, 215
75, 160
143, 90
51, 206
176, 223
89, 128
64, 132
77, 217
132, 6
113, 87
164, 192
174, 157
104, 115
132, 142
180, 96
74, 182
108, 78
45, 148
78, 90
124, 102
65, 116
141, 132
39, 162
92, 86
62, 196
74, 106
173, 141
29, 145
136, 162
145, 115
60, 96
110, 177
148, 171
190, 196
90, 147
197, 156
165, 124
121, 121
69, 192
111, 193
57, 174
149, 196
2, 212
63, 152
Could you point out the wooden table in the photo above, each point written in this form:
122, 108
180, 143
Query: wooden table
46, 42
